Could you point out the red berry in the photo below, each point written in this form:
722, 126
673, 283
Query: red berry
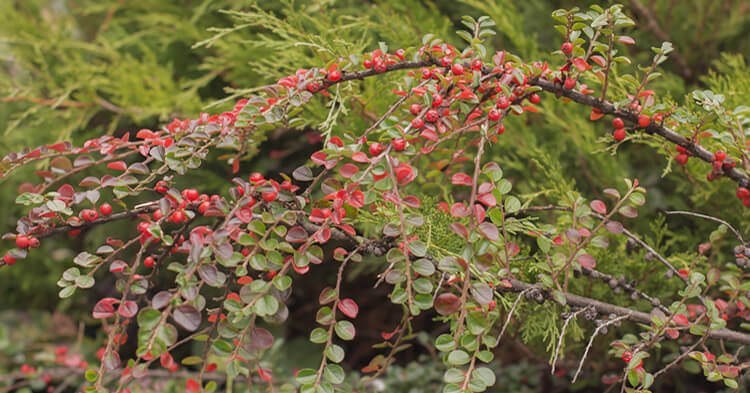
105, 209
270, 196
743, 193
143, 226
437, 99
204, 206
627, 356
501, 129
149, 261
494, 114
400, 54
191, 194
746, 202
457, 69
367, 63
476, 65
680, 149
618, 123
503, 103
644, 121
659, 117
417, 122
33, 242
619, 134
9, 259
256, 177
720, 155
161, 187
177, 216
89, 214
414, 109
334, 75
375, 149
399, 144
567, 48
535, 99
251, 202
22, 241
432, 115
158, 215
682, 158
570, 83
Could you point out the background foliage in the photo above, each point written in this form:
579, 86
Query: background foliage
76, 69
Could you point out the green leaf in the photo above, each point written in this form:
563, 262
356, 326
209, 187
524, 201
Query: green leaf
306, 375
345, 330
334, 374
458, 358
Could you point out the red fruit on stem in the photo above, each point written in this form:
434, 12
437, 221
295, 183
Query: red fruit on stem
501, 129
680, 149
432, 115
618, 123
105, 209
644, 121
567, 48
334, 75
570, 83
417, 122
161, 187
367, 63
457, 69
414, 109
203, 207
89, 214
399, 144
33, 242
375, 149
437, 99
627, 356
9, 259
270, 196
177, 216
256, 177
22, 241
494, 114
503, 103
191, 194
535, 99
682, 158
619, 134
149, 261
743, 193
720, 155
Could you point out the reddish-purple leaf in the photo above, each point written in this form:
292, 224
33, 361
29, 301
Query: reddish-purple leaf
626, 39
296, 234
323, 235
104, 308
348, 170
599, 206
187, 316
479, 213
161, 299
461, 179
612, 192
586, 260
349, 308
447, 304
460, 229
513, 249
327, 295
128, 309
488, 199
411, 201
460, 210
628, 211
261, 338
614, 227
573, 235
489, 230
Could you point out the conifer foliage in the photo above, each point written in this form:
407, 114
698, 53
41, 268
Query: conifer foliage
202, 279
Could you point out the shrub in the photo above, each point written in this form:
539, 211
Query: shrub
418, 194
